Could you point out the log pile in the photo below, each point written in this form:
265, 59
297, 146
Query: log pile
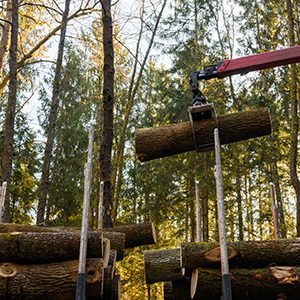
42, 262
258, 270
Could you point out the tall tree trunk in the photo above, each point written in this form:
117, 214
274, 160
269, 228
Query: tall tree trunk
8, 141
4, 42
295, 118
44, 185
108, 104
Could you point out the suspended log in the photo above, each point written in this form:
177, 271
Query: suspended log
251, 254
162, 265
137, 234
55, 281
32, 247
266, 283
117, 239
173, 139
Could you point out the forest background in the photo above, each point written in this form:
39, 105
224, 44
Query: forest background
157, 44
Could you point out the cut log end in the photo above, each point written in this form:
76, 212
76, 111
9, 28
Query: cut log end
214, 255
194, 282
8, 270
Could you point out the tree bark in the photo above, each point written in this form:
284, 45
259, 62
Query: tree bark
9, 123
162, 265
168, 290
33, 247
269, 283
4, 42
168, 140
137, 234
125, 236
117, 239
55, 281
242, 254
108, 106
295, 116
44, 185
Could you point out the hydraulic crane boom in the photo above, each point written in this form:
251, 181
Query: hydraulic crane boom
251, 63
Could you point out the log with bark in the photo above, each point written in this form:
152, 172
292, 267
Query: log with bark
134, 234
117, 239
33, 247
162, 265
251, 254
271, 283
53, 281
137, 234
152, 143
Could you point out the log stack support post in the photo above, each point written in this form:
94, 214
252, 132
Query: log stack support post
100, 208
226, 282
199, 235
80, 290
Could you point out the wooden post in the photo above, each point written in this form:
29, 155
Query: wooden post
226, 283
100, 208
199, 236
80, 290
2, 200
277, 233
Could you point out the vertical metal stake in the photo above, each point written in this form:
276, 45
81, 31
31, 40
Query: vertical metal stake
226, 283
80, 289
199, 236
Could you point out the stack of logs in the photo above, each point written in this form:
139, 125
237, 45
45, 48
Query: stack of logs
42, 262
268, 270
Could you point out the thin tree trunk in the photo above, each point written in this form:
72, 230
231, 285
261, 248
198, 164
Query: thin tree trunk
204, 196
279, 199
22, 62
108, 104
295, 118
131, 96
44, 185
239, 204
8, 140
4, 42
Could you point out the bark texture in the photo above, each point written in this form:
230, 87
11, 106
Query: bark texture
117, 239
55, 281
173, 139
108, 105
137, 234
242, 254
44, 185
250, 284
10, 113
4, 41
162, 265
31, 247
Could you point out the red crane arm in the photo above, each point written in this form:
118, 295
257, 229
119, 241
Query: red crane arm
251, 63
259, 61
